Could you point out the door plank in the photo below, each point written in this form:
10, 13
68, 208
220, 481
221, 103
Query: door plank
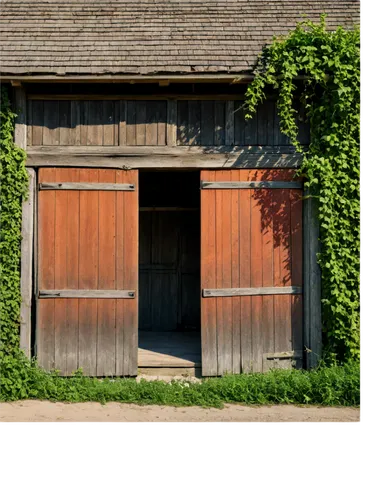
119, 273
106, 348
225, 358
256, 278
72, 270
235, 259
208, 278
282, 260
245, 281
46, 275
267, 273
61, 305
88, 272
297, 270
219, 231
131, 272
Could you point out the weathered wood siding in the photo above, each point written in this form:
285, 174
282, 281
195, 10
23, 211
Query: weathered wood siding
219, 123
250, 238
97, 123
144, 123
88, 240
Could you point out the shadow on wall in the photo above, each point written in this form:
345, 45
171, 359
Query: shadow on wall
281, 215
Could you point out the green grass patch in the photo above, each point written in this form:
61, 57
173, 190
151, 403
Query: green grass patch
328, 386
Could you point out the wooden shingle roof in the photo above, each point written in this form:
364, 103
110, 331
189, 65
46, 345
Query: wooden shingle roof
143, 37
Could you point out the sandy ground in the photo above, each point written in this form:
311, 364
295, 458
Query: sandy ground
45, 411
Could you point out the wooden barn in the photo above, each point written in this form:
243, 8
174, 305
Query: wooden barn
162, 231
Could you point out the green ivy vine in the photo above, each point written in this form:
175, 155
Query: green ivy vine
13, 188
321, 69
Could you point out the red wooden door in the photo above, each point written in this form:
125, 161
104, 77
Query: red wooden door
87, 283
251, 270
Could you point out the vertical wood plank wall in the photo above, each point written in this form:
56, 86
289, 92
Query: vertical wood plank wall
88, 240
145, 123
169, 271
250, 238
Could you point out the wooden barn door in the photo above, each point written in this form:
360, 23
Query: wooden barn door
251, 271
87, 296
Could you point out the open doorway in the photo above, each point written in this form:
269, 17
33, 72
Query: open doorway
169, 270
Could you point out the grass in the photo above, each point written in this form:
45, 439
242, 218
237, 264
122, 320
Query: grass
328, 386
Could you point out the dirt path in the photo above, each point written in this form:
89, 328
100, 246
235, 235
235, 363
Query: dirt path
45, 411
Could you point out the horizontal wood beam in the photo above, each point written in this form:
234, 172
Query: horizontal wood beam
111, 151
181, 78
265, 290
16, 83
135, 97
154, 157
216, 162
252, 185
85, 186
87, 294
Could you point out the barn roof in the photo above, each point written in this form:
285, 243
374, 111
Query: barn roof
143, 37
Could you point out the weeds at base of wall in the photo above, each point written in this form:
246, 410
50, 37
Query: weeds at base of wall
13, 188
326, 386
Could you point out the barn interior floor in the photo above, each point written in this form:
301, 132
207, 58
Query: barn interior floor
169, 350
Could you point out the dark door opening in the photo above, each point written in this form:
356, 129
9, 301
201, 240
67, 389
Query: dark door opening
169, 273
